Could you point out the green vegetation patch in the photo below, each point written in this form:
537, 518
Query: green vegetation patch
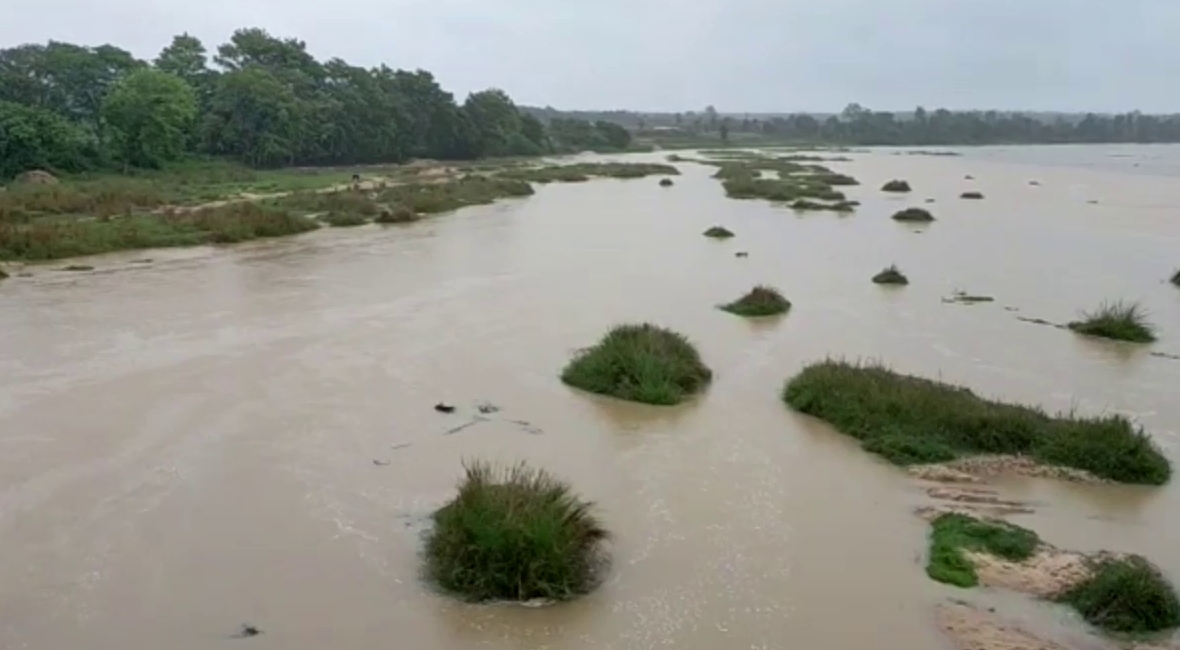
890, 275
666, 182
515, 533
396, 214
585, 171
344, 219
1121, 321
896, 186
910, 420
914, 215
641, 363
971, 195
432, 198
351, 202
1127, 594
1176, 278
807, 205
951, 534
760, 301
719, 232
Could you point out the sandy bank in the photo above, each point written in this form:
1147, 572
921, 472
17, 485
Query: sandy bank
975, 469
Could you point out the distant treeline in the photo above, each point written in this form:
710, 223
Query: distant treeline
857, 125
261, 100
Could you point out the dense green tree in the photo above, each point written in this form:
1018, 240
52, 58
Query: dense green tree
35, 138
253, 117
149, 114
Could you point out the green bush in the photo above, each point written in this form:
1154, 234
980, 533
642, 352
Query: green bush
641, 363
951, 534
890, 275
909, 419
396, 214
896, 186
759, 301
1121, 321
1126, 595
666, 182
719, 232
515, 533
1176, 278
913, 214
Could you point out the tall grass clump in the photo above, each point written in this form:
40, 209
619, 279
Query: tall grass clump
759, 301
1128, 595
890, 275
1176, 278
1121, 321
666, 182
344, 219
719, 232
515, 533
914, 214
951, 534
640, 363
396, 214
971, 195
909, 420
431, 198
896, 185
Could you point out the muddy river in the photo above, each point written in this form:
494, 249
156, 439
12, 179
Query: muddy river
246, 434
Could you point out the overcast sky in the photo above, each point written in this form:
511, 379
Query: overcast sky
740, 55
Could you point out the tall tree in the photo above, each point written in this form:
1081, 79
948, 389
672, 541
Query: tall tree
150, 114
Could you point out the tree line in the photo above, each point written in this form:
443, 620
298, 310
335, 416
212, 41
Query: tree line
857, 125
261, 100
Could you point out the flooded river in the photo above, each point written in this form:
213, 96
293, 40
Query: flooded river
246, 434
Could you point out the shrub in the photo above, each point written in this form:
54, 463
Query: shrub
913, 214
396, 214
1126, 595
971, 195
515, 533
909, 419
951, 534
666, 182
891, 275
760, 301
343, 219
641, 363
896, 186
1176, 278
1121, 321
718, 232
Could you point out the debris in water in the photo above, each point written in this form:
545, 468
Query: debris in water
741, 254
247, 631
527, 427
1165, 355
472, 422
380, 463
487, 407
443, 407
1039, 321
401, 445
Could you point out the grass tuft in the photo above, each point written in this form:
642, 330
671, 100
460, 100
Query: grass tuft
1126, 595
641, 363
514, 533
951, 534
971, 195
1176, 278
910, 420
1121, 321
344, 219
719, 232
666, 182
896, 186
914, 214
760, 301
891, 275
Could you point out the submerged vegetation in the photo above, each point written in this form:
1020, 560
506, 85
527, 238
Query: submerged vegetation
951, 534
890, 275
515, 533
1176, 278
971, 195
1126, 594
719, 232
666, 182
896, 186
911, 420
641, 363
913, 215
759, 301
1121, 321
792, 182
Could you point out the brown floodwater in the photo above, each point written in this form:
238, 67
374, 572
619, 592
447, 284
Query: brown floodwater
246, 434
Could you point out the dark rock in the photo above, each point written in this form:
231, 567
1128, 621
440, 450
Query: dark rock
443, 407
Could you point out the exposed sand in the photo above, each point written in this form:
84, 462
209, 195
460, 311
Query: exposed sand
971, 628
976, 468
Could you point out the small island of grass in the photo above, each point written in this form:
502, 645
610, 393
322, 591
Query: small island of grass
1126, 594
896, 185
971, 195
344, 219
952, 533
914, 215
1176, 278
911, 420
640, 363
719, 232
666, 182
760, 301
891, 275
515, 534
1121, 321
